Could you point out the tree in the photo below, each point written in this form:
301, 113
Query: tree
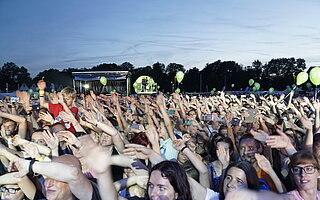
56, 77
13, 76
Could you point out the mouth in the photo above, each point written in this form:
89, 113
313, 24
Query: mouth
304, 181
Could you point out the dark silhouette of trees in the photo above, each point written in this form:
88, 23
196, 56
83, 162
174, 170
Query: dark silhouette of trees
13, 76
277, 73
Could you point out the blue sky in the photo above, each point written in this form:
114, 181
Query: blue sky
77, 33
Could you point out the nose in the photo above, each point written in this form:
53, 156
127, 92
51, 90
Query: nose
48, 183
231, 184
154, 193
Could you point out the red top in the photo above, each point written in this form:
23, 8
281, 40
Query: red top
55, 109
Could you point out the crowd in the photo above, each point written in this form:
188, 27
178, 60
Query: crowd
223, 146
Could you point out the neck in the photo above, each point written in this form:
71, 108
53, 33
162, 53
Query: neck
310, 194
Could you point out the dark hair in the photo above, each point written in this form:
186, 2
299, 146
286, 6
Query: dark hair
141, 138
177, 178
251, 176
249, 136
213, 150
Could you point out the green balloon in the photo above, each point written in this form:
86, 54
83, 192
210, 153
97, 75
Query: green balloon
257, 85
254, 89
232, 85
103, 80
177, 90
179, 76
251, 82
302, 78
271, 90
30, 91
315, 75
36, 95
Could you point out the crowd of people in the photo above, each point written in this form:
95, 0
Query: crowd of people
159, 147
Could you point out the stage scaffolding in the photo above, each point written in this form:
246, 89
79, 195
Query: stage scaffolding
118, 81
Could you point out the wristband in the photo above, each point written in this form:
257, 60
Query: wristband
184, 148
41, 92
41, 95
30, 166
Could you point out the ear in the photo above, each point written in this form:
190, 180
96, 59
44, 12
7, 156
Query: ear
176, 195
260, 149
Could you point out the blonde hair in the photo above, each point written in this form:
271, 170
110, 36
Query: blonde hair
69, 92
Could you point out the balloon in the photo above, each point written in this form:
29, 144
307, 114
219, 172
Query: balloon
30, 91
232, 85
36, 95
308, 85
251, 82
271, 90
37, 88
302, 78
179, 76
257, 85
254, 89
103, 80
158, 86
314, 75
177, 90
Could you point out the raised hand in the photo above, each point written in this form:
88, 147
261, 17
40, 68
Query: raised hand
142, 181
94, 155
178, 144
278, 141
52, 140
69, 137
263, 163
223, 156
31, 149
259, 135
46, 116
137, 151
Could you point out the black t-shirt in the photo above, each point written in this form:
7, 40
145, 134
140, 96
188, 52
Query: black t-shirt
95, 192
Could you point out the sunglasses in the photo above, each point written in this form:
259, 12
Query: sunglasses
308, 170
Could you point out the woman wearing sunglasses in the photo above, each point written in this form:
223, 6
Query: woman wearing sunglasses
304, 170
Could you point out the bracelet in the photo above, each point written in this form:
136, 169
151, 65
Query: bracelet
41, 95
30, 166
41, 92
184, 148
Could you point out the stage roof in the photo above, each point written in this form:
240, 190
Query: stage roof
96, 75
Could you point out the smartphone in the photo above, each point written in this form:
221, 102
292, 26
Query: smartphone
171, 112
14, 99
135, 126
235, 121
280, 121
35, 107
188, 123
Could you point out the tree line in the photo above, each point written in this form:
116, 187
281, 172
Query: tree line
277, 73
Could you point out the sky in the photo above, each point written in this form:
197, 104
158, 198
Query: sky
60, 34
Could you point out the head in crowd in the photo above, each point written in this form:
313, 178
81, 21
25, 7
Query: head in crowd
304, 170
11, 192
248, 147
10, 127
238, 175
69, 95
141, 138
168, 180
37, 137
57, 190
226, 143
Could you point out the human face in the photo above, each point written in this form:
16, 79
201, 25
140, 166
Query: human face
68, 101
57, 190
224, 145
247, 150
105, 140
306, 181
9, 128
159, 187
234, 180
37, 137
11, 192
